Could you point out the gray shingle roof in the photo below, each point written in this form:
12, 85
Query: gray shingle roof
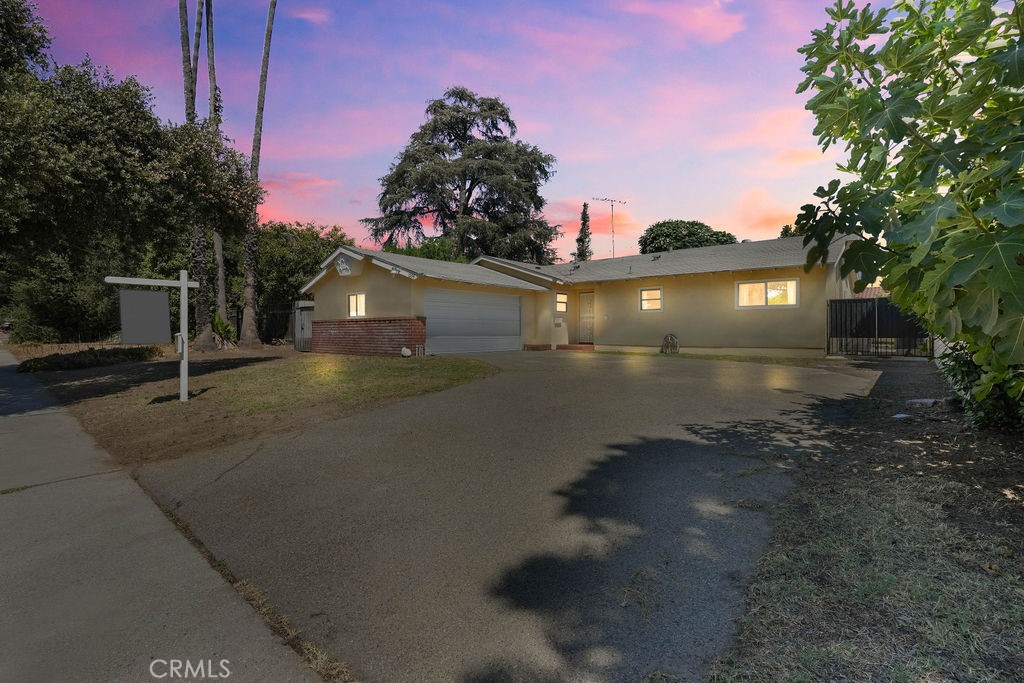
777, 253
446, 270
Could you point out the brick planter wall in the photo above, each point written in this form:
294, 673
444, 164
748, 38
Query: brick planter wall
369, 336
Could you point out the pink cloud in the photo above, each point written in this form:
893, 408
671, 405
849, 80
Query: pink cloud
303, 185
566, 212
771, 128
576, 45
705, 22
270, 210
799, 156
314, 15
343, 132
129, 38
756, 214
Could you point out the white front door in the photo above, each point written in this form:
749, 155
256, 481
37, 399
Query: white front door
586, 318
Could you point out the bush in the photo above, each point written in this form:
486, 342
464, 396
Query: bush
997, 410
90, 358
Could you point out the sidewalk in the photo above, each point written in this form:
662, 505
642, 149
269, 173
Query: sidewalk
95, 583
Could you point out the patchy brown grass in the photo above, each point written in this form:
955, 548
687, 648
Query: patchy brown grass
899, 558
133, 411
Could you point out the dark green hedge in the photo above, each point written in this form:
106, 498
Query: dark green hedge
90, 358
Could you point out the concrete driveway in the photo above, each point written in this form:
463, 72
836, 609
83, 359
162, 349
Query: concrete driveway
578, 517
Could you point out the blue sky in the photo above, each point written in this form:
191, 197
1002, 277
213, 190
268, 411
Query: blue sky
682, 109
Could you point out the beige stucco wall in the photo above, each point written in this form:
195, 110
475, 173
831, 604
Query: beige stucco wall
837, 287
701, 311
386, 296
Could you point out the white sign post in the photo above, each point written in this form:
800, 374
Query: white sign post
181, 338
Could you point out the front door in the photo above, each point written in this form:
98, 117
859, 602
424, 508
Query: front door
586, 318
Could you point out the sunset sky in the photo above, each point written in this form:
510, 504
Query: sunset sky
682, 109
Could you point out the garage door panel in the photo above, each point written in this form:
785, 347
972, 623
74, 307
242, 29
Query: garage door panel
466, 322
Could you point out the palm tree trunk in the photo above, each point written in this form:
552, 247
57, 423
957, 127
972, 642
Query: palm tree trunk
215, 115
249, 335
204, 340
200, 257
211, 64
186, 63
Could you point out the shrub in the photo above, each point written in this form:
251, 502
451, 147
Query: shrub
998, 409
90, 358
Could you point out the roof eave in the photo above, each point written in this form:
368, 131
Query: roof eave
395, 269
337, 252
515, 266
306, 287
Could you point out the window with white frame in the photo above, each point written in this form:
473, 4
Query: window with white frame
650, 299
768, 294
561, 302
357, 305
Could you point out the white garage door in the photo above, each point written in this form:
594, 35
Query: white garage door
466, 322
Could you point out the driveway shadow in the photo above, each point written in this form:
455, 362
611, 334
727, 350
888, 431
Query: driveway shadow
675, 527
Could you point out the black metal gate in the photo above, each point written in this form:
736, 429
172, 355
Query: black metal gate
874, 327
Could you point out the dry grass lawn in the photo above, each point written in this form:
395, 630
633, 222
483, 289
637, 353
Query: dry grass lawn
133, 411
900, 556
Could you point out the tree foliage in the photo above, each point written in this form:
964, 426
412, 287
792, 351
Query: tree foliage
677, 234
91, 184
24, 40
791, 230
80, 193
438, 248
290, 255
927, 99
464, 174
583, 250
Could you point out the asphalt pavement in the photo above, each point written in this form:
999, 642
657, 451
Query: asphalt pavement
577, 517
96, 584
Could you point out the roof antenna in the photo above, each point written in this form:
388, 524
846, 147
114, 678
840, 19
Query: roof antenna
612, 203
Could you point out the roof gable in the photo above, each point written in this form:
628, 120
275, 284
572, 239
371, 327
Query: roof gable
414, 267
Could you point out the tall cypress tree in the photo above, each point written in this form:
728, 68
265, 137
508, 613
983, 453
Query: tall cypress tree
583, 251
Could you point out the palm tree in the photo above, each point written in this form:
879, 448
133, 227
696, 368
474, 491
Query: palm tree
215, 114
189, 58
199, 253
249, 335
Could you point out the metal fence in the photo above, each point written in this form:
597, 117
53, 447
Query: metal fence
874, 327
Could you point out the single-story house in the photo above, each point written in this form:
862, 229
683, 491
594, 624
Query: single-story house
751, 295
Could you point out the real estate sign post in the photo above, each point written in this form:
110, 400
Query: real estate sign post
181, 338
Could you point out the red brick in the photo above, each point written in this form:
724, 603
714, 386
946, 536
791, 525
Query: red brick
368, 336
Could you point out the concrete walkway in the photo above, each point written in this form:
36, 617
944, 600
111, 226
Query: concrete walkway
95, 583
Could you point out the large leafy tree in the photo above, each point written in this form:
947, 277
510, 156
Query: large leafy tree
438, 248
92, 185
81, 194
464, 174
928, 100
290, 255
665, 235
23, 38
